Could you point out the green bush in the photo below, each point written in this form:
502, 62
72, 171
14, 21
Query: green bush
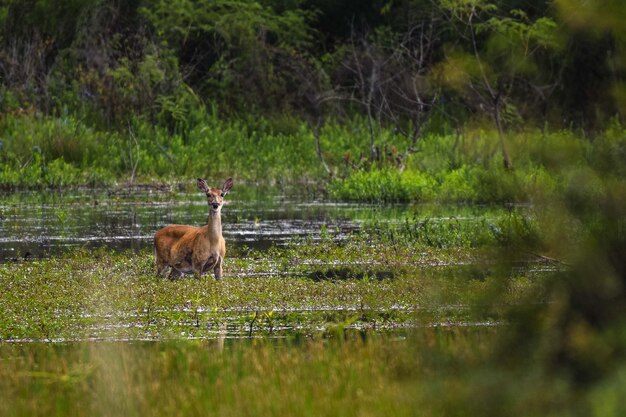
384, 186
460, 185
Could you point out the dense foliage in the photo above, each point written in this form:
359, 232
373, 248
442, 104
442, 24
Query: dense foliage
503, 101
403, 63
92, 91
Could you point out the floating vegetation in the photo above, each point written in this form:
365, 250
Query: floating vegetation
308, 286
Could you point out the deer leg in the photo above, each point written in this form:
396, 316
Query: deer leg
218, 268
202, 267
160, 264
160, 269
174, 273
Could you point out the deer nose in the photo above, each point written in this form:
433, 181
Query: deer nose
215, 206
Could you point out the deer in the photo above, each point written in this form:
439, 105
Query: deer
190, 249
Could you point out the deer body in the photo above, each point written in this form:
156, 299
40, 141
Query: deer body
189, 249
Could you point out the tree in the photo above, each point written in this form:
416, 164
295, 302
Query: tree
601, 23
383, 72
245, 55
497, 60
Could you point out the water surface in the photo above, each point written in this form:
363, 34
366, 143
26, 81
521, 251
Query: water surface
42, 224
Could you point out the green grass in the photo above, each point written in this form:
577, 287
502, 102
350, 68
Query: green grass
384, 322
426, 372
468, 168
381, 376
419, 271
44, 152
372, 280
41, 152
353, 327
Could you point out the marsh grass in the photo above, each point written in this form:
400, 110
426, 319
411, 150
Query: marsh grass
380, 323
465, 168
47, 152
428, 371
308, 286
96, 333
378, 375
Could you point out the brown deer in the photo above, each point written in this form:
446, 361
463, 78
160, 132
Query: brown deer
194, 250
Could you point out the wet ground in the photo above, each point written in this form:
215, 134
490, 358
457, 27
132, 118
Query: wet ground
42, 224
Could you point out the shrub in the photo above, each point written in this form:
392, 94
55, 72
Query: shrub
460, 185
384, 185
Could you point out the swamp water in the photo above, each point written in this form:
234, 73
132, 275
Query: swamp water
44, 224
343, 291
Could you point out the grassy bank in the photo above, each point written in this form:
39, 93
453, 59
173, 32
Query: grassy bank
468, 168
40, 152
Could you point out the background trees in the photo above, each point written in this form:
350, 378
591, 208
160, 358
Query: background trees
404, 66
398, 62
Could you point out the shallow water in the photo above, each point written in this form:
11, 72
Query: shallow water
49, 224
42, 224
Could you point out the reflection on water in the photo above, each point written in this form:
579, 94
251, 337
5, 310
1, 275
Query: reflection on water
46, 223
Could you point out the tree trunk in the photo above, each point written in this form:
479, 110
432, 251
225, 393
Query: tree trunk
506, 157
316, 133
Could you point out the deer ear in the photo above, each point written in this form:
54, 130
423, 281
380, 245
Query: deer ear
202, 185
228, 184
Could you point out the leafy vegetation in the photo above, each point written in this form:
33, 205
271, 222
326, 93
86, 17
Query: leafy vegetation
468, 168
64, 152
381, 277
452, 168
518, 104
299, 89
399, 62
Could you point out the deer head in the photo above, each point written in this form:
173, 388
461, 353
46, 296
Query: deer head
215, 196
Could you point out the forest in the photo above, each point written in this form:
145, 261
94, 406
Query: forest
428, 214
94, 92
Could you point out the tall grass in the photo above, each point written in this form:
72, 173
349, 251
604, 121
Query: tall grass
43, 151
468, 168
428, 372
39, 151
56, 152
380, 377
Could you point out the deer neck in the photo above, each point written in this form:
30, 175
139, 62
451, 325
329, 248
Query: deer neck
214, 226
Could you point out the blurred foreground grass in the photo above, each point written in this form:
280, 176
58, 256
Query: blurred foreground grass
379, 376
429, 372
